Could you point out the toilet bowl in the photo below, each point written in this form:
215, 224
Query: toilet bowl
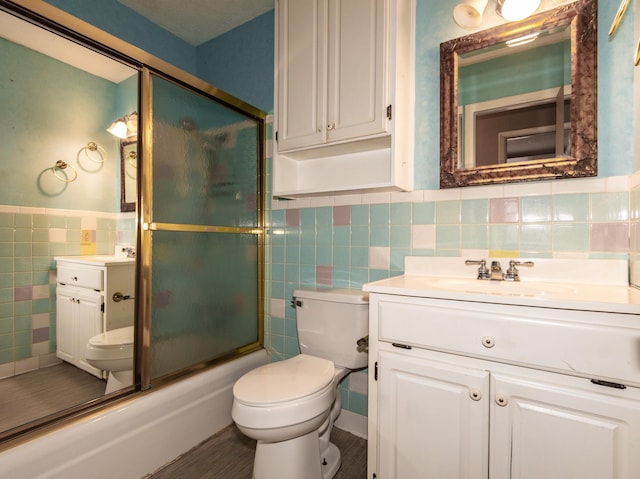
112, 351
290, 406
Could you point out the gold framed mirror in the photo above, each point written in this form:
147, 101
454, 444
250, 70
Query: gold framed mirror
518, 101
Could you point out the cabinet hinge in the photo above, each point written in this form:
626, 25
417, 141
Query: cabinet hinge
276, 137
374, 476
102, 307
375, 373
389, 111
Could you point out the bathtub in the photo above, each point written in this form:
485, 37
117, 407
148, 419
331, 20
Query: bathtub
137, 437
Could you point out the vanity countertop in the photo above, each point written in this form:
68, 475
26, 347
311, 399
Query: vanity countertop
97, 260
608, 295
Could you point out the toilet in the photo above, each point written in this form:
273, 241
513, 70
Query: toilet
290, 406
112, 351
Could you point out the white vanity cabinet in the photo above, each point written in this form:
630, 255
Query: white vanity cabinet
93, 294
465, 389
344, 96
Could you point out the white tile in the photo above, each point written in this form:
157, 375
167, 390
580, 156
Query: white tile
579, 185
41, 320
9, 209
50, 359
376, 198
346, 200
321, 201
7, 370
482, 192
89, 223
423, 236
40, 291
402, 197
617, 184
278, 307
26, 365
40, 348
533, 188
358, 382
57, 235
379, 257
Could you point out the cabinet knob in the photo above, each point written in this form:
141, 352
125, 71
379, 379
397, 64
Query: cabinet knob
74, 278
331, 126
488, 342
475, 395
501, 400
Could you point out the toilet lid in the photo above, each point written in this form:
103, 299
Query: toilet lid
114, 338
286, 380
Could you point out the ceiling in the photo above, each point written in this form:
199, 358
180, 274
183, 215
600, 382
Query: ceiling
197, 21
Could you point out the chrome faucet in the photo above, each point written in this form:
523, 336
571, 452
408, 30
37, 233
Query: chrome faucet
483, 271
131, 252
496, 271
512, 273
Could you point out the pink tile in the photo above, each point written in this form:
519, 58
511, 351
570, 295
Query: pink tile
613, 237
324, 275
504, 210
293, 217
341, 215
23, 293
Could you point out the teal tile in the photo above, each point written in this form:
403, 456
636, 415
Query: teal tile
22, 338
40, 221
6, 341
537, 209
6, 235
475, 211
23, 250
40, 249
307, 236
24, 235
22, 308
58, 221
6, 295
504, 237
23, 323
6, 356
291, 347
324, 254
23, 220
307, 274
6, 281
7, 220
40, 305
424, 213
574, 207
277, 254
341, 257
448, 212
6, 326
400, 236
292, 254
6, 250
447, 237
610, 206
475, 236
536, 237
571, 237
341, 235
308, 255
324, 216
379, 235
277, 289
359, 215
22, 265
277, 271
401, 213
277, 325
357, 403
6, 310
6, 265
40, 235
359, 277
308, 218
23, 279
360, 257
278, 219
359, 235
57, 249
397, 258
380, 214
22, 352
340, 277
324, 235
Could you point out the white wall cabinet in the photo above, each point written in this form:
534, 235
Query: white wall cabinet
454, 395
344, 96
86, 306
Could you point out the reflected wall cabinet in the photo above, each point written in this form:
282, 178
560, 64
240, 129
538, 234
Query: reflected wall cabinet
344, 104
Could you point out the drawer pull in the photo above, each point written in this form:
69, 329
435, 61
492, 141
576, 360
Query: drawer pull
400, 345
488, 342
608, 384
475, 395
501, 400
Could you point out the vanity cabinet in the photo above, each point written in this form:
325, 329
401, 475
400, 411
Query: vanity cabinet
344, 96
464, 389
88, 303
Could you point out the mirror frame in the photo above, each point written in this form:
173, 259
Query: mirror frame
124, 204
582, 17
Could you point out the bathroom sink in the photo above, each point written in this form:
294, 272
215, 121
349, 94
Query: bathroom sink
97, 259
510, 288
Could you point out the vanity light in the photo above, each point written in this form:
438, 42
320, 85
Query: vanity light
512, 10
125, 126
468, 14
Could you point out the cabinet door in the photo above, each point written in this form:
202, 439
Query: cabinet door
300, 76
432, 419
88, 323
65, 310
564, 428
356, 42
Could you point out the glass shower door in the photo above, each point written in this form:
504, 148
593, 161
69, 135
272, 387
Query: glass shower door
202, 235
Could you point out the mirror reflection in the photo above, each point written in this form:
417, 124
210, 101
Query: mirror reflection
128, 174
518, 101
66, 246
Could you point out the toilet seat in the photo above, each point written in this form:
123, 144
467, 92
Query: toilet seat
299, 377
113, 339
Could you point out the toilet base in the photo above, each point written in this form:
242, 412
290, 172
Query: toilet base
118, 380
331, 461
292, 459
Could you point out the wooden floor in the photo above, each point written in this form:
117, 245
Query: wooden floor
229, 455
39, 393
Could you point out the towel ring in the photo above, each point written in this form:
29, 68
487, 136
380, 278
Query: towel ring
132, 156
61, 165
93, 146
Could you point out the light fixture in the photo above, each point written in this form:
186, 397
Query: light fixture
125, 126
513, 10
468, 14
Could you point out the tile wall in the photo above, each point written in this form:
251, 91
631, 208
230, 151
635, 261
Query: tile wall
347, 241
29, 239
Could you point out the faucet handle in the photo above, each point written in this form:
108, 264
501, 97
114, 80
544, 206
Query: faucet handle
483, 271
512, 273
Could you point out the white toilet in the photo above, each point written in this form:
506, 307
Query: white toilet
112, 351
290, 406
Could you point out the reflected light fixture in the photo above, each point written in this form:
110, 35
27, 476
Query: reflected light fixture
125, 126
513, 10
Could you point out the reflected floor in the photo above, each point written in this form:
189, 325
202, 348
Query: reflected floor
229, 454
39, 393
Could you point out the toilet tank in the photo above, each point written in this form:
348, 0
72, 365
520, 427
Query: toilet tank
330, 322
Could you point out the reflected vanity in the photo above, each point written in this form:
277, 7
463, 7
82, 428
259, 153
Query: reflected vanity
518, 101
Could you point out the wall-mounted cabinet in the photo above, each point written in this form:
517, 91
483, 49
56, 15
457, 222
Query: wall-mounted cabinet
344, 96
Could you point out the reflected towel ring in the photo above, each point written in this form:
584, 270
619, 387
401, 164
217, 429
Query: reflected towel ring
93, 146
132, 156
61, 165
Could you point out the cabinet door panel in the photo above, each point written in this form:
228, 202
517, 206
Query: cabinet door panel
429, 426
64, 325
566, 428
300, 58
355, 69
88, 324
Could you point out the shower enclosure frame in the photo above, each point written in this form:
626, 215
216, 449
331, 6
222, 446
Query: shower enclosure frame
72, 28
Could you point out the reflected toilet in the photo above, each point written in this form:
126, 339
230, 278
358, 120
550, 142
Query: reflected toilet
112, 351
